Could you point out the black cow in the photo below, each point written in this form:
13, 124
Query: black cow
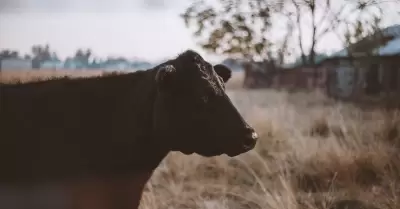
102, 137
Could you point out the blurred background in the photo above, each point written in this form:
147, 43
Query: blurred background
85, 34
257, 38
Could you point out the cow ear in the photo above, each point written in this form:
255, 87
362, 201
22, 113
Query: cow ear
224, 72
165, 76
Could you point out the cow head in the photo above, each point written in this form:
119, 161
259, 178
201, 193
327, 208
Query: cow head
192, 112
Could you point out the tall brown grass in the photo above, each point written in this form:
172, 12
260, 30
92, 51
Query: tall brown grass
313, 153
10, 76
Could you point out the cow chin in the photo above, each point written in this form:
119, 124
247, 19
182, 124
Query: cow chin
206, 152
241, 150
228, 148
236, 153
230, 153
209, 153
186, 152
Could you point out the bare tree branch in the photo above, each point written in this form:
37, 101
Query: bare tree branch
243, 27
300, 37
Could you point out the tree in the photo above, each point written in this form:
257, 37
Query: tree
27, 57
9, 54
83, 56
40, 55
362, 39
229, 29
245, 27
54, 56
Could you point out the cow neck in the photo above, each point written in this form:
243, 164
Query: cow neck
107, 193
125, 190
150, 150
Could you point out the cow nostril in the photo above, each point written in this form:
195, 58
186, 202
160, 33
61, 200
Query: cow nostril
251, 138
254, 135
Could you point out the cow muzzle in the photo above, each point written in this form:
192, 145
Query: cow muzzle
246, 143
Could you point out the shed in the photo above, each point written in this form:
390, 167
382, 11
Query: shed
15, 64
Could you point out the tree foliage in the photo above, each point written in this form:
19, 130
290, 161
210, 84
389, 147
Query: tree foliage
6, 53
246, 28
41, 54
83, 56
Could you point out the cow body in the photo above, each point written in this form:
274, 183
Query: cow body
100, 138
77, 127
78, 137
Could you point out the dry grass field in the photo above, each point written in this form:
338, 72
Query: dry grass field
27, 75
313, 153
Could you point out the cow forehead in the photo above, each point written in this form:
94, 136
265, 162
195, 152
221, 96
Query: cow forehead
189, 55
210, 80
192, 66
198, 70
191, 59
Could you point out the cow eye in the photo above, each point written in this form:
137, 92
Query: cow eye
205, 99
202, 100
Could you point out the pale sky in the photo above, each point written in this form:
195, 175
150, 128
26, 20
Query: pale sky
148, 29
120, 27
